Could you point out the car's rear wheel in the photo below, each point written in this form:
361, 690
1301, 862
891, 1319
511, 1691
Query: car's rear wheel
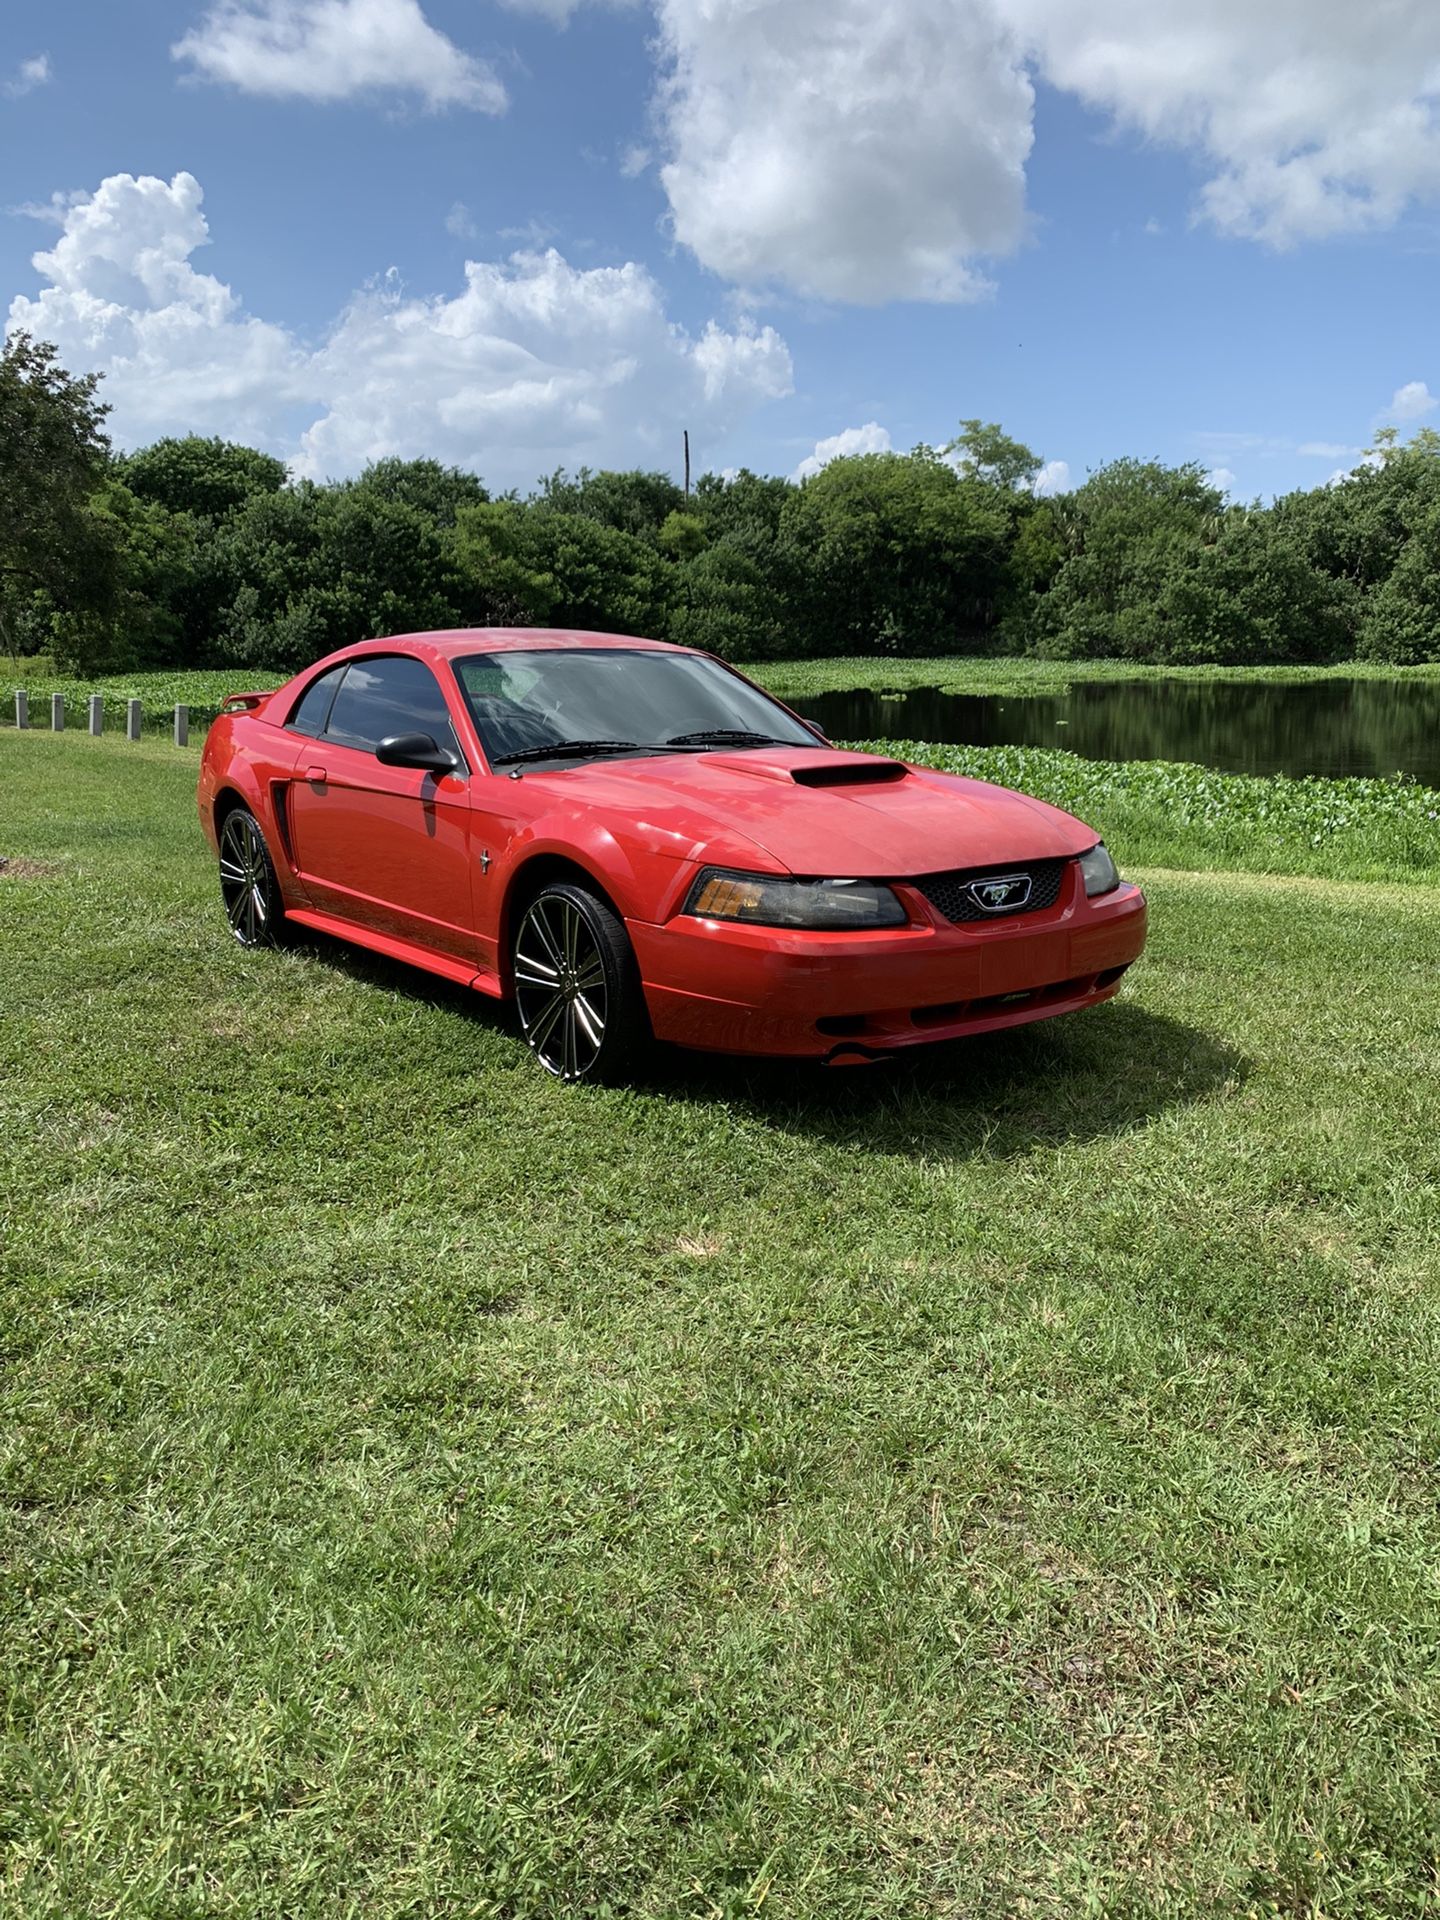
577, 988
253, 903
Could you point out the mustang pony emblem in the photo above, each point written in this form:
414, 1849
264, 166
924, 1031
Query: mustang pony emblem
1004, 894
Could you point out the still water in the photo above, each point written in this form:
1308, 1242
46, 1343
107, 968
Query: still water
1335, 727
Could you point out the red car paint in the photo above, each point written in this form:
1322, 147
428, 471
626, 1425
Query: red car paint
429, 869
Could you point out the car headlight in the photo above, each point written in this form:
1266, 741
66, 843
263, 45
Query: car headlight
1101, 875
765, 900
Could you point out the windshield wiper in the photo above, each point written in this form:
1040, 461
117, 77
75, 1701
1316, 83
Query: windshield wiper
565, 750
733, 737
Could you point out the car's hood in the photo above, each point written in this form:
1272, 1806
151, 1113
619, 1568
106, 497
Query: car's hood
823, 811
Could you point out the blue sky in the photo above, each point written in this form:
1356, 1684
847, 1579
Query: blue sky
1116, 226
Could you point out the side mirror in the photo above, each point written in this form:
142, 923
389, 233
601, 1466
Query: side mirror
416, 750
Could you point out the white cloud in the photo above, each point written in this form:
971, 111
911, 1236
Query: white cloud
1323, 450
868, 153
533, 363
1053, 477
840, 148
27, 76
328, 50
459, 223
1315, 117
1221, 478
1412, 401
871, 438
633, 162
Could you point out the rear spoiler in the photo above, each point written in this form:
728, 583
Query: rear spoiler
244, 702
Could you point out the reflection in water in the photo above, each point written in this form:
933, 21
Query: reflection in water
1338, 727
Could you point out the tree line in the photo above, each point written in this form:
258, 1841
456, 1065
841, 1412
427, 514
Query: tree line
199, 552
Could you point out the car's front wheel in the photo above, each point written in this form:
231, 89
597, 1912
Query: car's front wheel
248, 886
577, 988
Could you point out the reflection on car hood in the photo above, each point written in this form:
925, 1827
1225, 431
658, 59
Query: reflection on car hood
825, 812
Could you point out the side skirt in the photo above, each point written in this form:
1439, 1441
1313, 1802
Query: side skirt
461, 971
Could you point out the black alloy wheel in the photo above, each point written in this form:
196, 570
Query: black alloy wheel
253, 904
577, 988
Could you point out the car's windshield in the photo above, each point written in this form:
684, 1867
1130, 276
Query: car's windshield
608, 699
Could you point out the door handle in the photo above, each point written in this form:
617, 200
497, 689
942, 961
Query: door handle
317, 774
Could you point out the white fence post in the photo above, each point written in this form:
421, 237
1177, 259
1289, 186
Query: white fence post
22, 707
132, 719
97, 712
182, 725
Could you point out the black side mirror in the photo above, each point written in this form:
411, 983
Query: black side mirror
416, 750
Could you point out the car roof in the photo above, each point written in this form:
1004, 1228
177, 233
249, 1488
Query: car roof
450, 641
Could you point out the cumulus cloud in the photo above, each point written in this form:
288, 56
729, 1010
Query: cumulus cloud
1314, 120
841, 148
459, 223
1053, 477
1221, 478
1412, 401
327, 50
26, 77
868, 153
533, 363
871, 438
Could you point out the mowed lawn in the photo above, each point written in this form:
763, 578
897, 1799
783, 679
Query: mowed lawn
1006, 1484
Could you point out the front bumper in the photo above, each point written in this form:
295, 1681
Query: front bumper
845, 997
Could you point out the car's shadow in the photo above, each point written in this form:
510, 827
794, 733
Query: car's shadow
1086, 1075
1100, 1072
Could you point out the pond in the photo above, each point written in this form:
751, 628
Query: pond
1339, 728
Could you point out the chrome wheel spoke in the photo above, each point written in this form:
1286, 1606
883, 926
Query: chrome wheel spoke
540, 921
591, 976
593, 1027
533, 973
542, 1028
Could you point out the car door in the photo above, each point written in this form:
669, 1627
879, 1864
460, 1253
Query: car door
387, 847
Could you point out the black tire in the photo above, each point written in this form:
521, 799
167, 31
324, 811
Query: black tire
254, 906
577, 987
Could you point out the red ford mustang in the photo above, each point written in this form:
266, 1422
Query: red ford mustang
631, 839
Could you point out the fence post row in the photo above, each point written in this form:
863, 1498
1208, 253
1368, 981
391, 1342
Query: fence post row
134, 716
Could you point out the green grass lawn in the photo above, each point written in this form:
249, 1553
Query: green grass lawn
1003, 1485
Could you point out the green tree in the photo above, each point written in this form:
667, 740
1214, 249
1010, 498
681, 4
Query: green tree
899, 553
439, 493
1122, 533
211, 478
633, 502
530, 565
984, 452
1402, 616
56, 555
1251, 595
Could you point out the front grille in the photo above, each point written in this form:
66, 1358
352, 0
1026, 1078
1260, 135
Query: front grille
949, 893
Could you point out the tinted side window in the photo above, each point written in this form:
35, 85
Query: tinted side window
313, 707
385, 694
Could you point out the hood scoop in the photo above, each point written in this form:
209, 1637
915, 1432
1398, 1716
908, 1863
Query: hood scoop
806, 769
850, 773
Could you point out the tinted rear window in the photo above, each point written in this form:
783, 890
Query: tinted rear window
313, 707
